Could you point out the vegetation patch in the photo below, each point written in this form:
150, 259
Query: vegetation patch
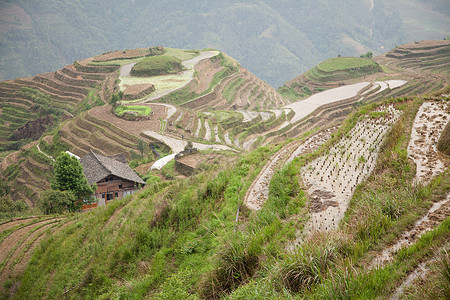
156, 65
345, 63
139, 110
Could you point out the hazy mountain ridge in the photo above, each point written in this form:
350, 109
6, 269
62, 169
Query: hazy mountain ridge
276, 40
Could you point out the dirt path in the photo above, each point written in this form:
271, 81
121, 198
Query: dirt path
46, 155
178, 145
171, 110
331, 179
258, 192
422, 148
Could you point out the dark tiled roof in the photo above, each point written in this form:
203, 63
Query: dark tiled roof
97, 166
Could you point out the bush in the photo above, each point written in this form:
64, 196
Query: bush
234, 265
307, 267
444, 140
57, 202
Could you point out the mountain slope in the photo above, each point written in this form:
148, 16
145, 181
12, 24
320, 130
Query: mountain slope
275, 41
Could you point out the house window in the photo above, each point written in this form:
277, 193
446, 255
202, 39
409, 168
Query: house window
111, 178
120, 186
116, 195
103, 196
106, 179
109, 196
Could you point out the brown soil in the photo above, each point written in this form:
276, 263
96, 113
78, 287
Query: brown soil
18, 262
11, 240
48, 138
121, 54
143, 169
33, 129
137, 91
206, 70
11, 224
133, 127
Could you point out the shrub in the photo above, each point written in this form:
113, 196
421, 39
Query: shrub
234, 264
56, 202
307, 266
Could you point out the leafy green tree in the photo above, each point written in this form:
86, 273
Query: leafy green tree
368, 54
56, 202
69, 177
114, 99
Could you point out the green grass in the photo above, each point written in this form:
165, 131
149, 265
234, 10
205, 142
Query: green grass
181, 54
344, 63
141, 110
156, 65
186, 243
230, 90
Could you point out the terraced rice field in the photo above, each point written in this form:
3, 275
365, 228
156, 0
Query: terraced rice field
428, 125
258, 192
62, 90
332, 178
421, 56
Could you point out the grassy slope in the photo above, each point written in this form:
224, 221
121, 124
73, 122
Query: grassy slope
328, 72
156, 65
344, 63
185, 242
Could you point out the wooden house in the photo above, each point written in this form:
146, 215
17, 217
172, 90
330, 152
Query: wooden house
114, 178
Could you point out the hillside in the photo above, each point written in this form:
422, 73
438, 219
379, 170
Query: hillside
275, 41
330, 186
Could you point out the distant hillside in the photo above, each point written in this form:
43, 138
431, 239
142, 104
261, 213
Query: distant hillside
274, 40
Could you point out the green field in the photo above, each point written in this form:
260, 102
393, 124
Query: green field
181, 54
141, 110
344, 63
157, 65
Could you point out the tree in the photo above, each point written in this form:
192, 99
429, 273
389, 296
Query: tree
69, 177
368, 54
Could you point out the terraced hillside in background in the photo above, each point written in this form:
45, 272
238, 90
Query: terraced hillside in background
32, 106
353, 116
59, 95
424, 56
328, 74
221, 105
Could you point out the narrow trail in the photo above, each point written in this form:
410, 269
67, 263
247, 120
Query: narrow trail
46, 155
177, 145
8, 225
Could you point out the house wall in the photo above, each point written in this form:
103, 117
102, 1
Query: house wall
112, 188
